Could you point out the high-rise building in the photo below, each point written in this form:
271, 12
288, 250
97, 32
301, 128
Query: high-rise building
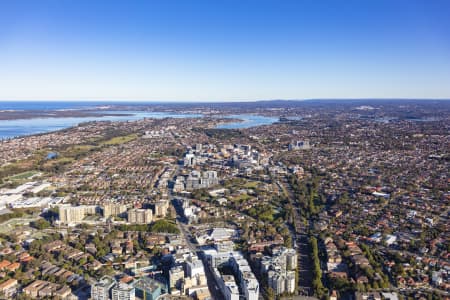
140, 216
123, 291
291, 259
190, 160
194, 266
229, 287
281, 282
290, 282
299, 145
241, 272
74, 214
113, 209
176, 277
280, 269
148, 289
198, 180
179, 184
161, 208
277, 282
101, 290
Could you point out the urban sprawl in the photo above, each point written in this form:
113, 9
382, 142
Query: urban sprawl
333, 201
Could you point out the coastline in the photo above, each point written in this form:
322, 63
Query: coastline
19, 125
11, 115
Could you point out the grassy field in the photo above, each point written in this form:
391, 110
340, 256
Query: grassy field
24, 175
16, 172
120, 139
15, 168
9, 225
79, 149
251, 184
59, 161
241, 198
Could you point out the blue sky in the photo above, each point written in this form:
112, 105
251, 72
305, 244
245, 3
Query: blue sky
226, 50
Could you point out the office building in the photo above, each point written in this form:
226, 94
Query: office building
148, 289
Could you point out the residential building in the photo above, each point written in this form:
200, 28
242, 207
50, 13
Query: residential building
161, 208
102, 289
113, 209
123, 291
190, 160
194, 266
199, 180
8, 289
140, 216
176, 277
74, 214
299, 145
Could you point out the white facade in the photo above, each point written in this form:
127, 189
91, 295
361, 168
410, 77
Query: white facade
242, 272
280, 269
194, 266
101, 289
74, 214
123, 291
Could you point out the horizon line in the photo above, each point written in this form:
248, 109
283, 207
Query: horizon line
228, 101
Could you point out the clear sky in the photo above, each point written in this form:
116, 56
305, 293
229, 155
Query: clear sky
225, 50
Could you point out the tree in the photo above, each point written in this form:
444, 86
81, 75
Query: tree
270, 294
288, 241
40, 224
82, 261
164, 226
317, 281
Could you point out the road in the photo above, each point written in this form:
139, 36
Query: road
305, 262
216, 294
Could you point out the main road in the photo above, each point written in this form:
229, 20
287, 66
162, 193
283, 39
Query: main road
216, 294
305, 263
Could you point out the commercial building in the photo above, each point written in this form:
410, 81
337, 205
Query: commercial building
148, 289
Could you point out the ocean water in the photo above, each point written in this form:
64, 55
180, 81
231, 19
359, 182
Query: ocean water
58, 105
248, 121
23, 127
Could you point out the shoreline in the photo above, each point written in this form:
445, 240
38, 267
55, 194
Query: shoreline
46, 114
220, 120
